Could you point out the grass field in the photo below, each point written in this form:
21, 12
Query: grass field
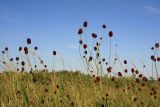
73, 89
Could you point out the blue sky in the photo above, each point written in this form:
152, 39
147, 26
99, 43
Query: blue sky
53, 25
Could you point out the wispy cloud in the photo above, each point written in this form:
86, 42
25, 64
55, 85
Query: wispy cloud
152, 9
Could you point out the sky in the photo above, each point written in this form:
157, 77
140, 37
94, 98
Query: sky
53, 25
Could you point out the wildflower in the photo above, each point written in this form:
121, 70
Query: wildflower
157, 45
61, 101
22, 69
42, 101
137, 80
135, 99
110, 33
152, 48
22, 63
35, 48
26, 50
85, 24
144, 79
125, 70
57, 86
85, 46
136, 71
28, 41
104, 26
98, 44
54, 53
97, 78
11, 59
17, 58
6, 48
132, 70
95, 48
80, 42
109, 69
94, 35
67, 96
125, 61
46, 90
90, 58
152, 57
55, 92
140, 75
80, 31
107, 95
85, 52
113, 78
3, 52
20, 48
120, 74
72, 103
103, 59
143, 84
97, 55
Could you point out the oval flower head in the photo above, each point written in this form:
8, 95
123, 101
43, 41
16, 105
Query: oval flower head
85, 24
80, 31
110, 34
85, 46
28, 41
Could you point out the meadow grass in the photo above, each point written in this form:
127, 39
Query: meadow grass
66, 89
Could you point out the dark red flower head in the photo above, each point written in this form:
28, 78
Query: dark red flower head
54, 53
125, 70
6, 48
140, 75
109, 69
157, 45
94, 35
80, 31
35, 48
120, 74
125, 61
22, 63
85, 46
3, 52
20, 48
85, 24
103, 26
95, 48
132, 70
25, 50
110, 33
152, 48
17, 58
80, 42
136, 71
97, 78
28, 41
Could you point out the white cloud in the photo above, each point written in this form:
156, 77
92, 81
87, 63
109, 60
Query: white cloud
152, 9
